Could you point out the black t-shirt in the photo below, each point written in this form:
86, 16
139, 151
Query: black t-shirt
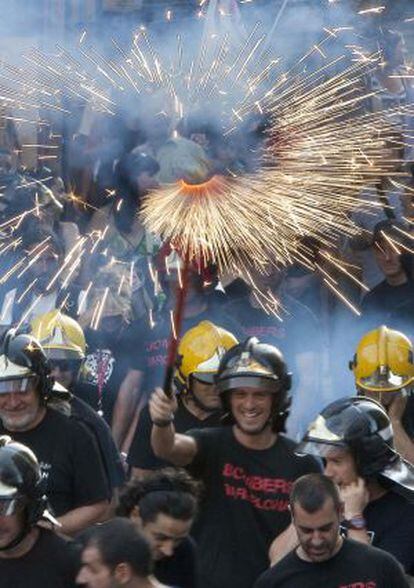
150, 353
297, 333
179, 570
141, 454
52, 562
104, 367
245, 506
69, 460
378, 304
103, 436
356, 565
391, 518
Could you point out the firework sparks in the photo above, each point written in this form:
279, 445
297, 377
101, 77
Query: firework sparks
373, 10
100, 307
320, 152
315, 167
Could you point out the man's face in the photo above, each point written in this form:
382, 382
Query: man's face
20, 410
94, 573
387, 258
251, 409
64, 372
10, 527
318, 532
206, 394
340, 467
165, 534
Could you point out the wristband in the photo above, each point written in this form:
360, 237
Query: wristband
163, 424
356, 523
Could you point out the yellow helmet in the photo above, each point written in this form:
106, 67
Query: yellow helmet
383, 361
60, 335
200, 352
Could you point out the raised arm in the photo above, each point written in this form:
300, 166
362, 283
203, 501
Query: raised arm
166, 443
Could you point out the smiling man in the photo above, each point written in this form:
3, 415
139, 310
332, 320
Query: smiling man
247, 467
69, 459
323, 556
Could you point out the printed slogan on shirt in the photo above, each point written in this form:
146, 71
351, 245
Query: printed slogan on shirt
239, 485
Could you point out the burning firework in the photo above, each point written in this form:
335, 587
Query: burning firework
321, 148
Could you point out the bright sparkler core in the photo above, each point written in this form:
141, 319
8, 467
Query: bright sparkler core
187, 189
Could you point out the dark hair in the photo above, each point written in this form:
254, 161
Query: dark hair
118, 541
311, 492
168, 491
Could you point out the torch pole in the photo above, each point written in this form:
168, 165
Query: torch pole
176, 322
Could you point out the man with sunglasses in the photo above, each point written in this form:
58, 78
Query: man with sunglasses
29, 554
199, 405
70, 462
64, 344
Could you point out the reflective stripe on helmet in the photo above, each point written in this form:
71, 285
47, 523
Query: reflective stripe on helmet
273, 384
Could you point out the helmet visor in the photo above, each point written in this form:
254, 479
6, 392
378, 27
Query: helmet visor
204, 377
17, 385
318, 448
248, 381
384, 381
330, 429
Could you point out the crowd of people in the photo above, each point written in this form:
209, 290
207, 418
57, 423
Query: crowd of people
280, 456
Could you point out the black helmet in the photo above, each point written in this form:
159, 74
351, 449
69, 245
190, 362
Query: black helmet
256, 365
22, 357
362, 426
21, 486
